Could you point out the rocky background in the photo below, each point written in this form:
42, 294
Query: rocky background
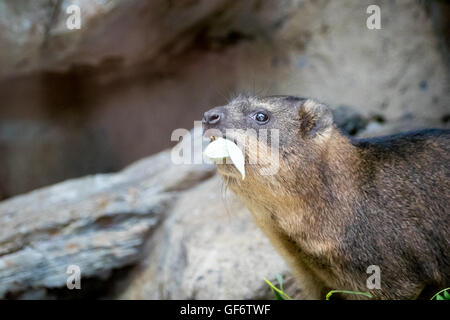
97, 99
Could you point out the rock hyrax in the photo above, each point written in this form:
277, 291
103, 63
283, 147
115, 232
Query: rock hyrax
337, 205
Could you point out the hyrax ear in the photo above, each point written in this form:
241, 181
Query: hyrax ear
314, 117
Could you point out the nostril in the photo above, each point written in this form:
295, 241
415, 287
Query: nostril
214, 118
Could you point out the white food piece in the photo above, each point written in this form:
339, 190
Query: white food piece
223, 148
237, 157
217, 149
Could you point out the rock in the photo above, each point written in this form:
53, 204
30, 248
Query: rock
375, 129
371, 129
349, 120
399, 68
83, 96
35, 35
79, 98
208, 248
98, 223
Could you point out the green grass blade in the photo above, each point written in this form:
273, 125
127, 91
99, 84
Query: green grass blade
277, 295
281, 293
446, 295
438, 295
329, 294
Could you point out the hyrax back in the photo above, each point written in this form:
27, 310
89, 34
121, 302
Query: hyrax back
336, 206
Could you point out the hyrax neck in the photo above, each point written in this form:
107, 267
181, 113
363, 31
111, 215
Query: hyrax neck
311, 195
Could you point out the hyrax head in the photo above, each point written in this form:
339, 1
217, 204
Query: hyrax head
270, 130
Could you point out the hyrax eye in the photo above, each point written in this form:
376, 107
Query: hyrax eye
261, 117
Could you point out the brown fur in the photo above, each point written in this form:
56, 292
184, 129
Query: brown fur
338, 205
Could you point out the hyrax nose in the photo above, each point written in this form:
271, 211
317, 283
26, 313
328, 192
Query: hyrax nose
212, 116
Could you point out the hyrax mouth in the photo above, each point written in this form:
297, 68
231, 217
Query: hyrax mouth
222, 148
214, 138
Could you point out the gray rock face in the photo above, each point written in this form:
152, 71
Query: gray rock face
97, 223
349, 120
35, 35
208, 248
97, 88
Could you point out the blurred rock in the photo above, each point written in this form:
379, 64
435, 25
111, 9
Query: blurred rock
208, 248
396, 69
349, 120
98, 223
374, 128
35, 35
142, 68
136, 68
